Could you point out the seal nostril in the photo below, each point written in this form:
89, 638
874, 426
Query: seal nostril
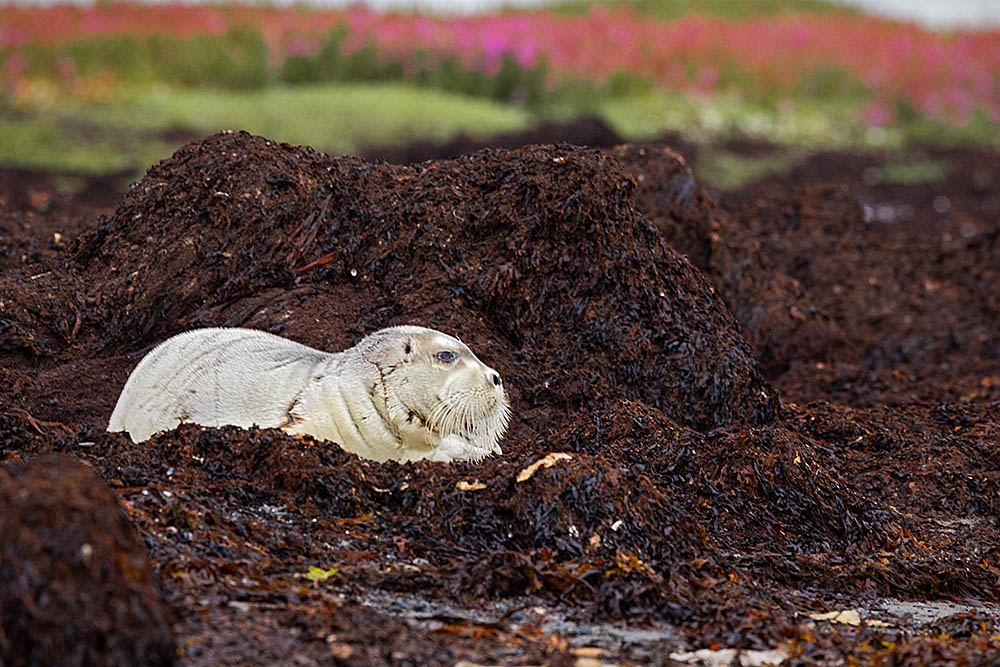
496, 379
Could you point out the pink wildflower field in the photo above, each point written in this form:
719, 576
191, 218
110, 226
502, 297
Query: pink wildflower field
943, 74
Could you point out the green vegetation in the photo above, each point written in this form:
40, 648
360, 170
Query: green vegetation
806, 122
132, 130
827, 124
334, 117
140, 125
50, 142
915, 173
330, 64
736, 10
237, 59
728, 171
122, 102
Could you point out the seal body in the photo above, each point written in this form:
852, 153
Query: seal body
403, 393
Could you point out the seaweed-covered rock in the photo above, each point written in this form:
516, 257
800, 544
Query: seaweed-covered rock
75, 585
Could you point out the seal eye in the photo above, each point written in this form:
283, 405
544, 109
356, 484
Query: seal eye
446, 356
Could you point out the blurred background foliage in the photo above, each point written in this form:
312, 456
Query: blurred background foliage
114, 87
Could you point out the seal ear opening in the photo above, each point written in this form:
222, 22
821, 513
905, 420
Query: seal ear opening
407, 348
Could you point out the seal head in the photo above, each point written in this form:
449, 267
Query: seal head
438, 392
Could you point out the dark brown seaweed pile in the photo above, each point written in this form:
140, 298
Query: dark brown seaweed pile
651, 474
76, 587
775, 311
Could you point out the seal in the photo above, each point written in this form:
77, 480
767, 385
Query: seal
403, 394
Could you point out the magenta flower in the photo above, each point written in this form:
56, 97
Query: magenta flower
948, 75
13, 36
15, 65
67, 69
877, 114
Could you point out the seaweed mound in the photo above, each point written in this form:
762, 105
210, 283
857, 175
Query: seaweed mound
536, 256
75, 585
775, 311
750, 488
646, 477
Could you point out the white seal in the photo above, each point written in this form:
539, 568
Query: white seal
403, 393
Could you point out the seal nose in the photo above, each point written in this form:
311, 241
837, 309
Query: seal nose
496, 379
